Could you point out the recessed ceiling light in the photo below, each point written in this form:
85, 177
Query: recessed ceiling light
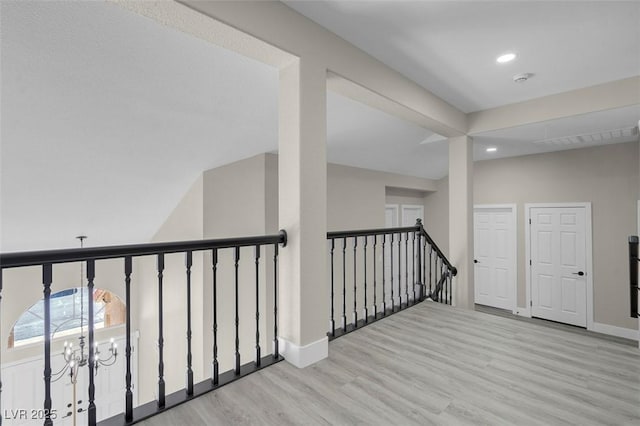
492, 149
507, 57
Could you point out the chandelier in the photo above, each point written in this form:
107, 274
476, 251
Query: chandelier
75, 357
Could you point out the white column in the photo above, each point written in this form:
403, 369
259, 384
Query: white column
461, 218
302, 170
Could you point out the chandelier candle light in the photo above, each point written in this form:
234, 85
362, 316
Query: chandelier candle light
75, 357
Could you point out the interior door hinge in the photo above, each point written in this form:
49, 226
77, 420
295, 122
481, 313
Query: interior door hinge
529, 221
530, 302
529, 262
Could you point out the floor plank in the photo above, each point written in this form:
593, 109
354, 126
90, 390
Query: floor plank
437, 365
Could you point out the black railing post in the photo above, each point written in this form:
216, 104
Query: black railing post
399, 270
355, 283
364, 310
384, 295
375, 281
91, 274
633, 276
332, 323
406, 268
128, 396
161, 384
430, 268
47, 278
419, 260
188, 263
1, 412
276, 354
214, 269
344, 284
237, 322
413, 266
257, 258
393, 302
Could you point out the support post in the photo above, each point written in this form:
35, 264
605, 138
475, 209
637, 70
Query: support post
303, 303
461, 218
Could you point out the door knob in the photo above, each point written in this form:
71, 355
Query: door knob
475, 261
578, 273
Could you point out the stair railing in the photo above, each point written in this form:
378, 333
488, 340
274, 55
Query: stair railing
377, 272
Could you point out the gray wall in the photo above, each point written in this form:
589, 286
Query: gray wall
606, 176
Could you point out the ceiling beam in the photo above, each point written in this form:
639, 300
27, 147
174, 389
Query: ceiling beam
279, 26
616, 94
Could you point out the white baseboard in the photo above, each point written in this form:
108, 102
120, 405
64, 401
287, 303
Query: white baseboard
612, 330
523, 312
303, 356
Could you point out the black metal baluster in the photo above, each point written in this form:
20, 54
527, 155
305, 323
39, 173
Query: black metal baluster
413, 265
406, 268
91, 273
237, 354
214, 268
393, 304
399, 270
257, 256
188, 264
161, 384
424, 266
276, 354
384, 296
441, 289
1, 412
332, 323
430, 269
47, 278
365, 312
128, 411
375, 283
355, 283
344, 284
450, 282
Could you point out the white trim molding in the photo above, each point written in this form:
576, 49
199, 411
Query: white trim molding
627, 333
588, 253
303, 356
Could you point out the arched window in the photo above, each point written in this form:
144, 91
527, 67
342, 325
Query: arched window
69, 310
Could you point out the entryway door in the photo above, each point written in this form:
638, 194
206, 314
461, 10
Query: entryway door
558, 237
495, 256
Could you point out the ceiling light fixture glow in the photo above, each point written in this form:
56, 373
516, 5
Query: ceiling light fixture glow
492, 149
507, 57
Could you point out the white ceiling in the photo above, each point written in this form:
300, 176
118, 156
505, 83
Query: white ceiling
109, 117
450, 47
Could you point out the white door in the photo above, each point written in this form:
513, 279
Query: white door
410, 213
494, 257
23, 388
558, 264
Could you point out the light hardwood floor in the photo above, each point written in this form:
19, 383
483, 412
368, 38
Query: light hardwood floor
434, 364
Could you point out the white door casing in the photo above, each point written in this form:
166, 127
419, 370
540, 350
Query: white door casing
495, 255
559, 271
